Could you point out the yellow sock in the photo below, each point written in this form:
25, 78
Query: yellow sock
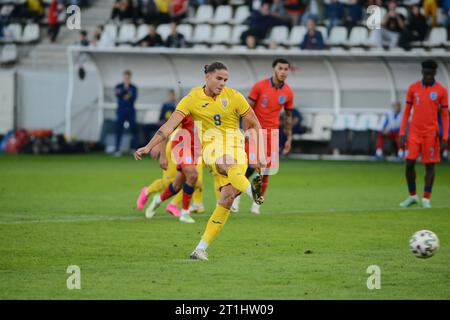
238, 179
156, 186
215, 224
177, 199
216, 190
198, 195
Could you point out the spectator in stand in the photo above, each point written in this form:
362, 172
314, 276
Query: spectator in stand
261, 22
102, 39
278, 11
313, 39
393, 25
148, 11
216, 3
178, 10
334, 14
446, 11
163, 7
34, 10
354, 13
430, 10
152, 39
390, 130
416, 28
175, 39
375, 3
314, 10
168, 107
250, 42
295, 9
2, 27
84, 41
54, 11
122, 9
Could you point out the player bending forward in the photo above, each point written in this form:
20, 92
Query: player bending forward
216, 110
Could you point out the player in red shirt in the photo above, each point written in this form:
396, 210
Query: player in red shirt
184, 154
424, 98
267, 97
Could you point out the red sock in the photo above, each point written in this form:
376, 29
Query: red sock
188, 191
265, 184
427, 195
170, 191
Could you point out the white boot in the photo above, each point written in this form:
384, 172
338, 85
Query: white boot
255, 208
235, 206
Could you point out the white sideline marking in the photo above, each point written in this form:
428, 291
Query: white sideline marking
164, 216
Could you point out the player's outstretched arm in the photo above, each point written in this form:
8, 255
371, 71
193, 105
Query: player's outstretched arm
252, 122
163, 161
162, 134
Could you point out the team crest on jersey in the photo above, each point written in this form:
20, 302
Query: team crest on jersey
433, 96
282, 99
264, 101
225, 102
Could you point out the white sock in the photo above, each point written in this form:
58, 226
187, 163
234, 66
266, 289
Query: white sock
158, 200
202, 245
414, 197
249, 192
184, 212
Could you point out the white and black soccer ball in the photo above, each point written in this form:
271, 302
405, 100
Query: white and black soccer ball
424, 244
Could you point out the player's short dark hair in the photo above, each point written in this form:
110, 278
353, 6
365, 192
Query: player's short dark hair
127, 72
280, 60
429, 64
214, 66
83, 33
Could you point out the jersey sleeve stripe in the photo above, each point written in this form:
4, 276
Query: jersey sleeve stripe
409, 102
246, 111
444, 107
254, 100
182, 113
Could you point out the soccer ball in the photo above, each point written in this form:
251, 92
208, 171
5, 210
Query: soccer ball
424, 244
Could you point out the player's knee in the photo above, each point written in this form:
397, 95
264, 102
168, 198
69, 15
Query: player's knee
191, 178
176, 185
227, 196
227, 201
225, 163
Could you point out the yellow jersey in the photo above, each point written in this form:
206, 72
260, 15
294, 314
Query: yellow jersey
216, 119
163, 6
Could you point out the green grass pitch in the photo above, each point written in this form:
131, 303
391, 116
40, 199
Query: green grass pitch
322, 225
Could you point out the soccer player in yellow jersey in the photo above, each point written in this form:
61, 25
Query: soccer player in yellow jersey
216, 109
